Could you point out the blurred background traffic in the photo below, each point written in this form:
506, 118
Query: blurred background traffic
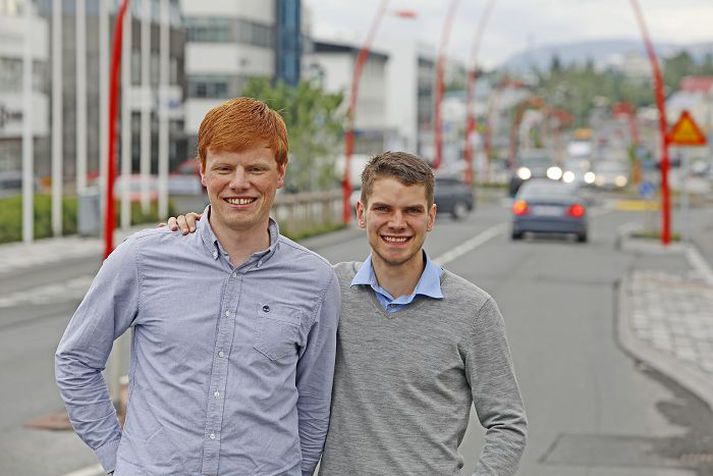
569, 140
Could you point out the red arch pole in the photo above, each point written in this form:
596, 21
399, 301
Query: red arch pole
470, 124
663, 128
438, 120
109, 216
349, 130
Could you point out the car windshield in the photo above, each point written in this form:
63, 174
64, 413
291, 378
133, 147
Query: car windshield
546, 189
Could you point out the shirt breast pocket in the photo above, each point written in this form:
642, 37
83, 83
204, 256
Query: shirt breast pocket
280, 333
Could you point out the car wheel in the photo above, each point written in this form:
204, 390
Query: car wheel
516, 236
460, 210
582, 237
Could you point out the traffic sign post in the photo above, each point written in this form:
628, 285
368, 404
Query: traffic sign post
686, 133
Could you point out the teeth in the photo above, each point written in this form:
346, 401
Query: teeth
395, 239
239, 201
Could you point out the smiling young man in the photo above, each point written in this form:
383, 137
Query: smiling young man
417, 346
234, 327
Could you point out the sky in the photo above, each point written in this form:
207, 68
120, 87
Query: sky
515, 25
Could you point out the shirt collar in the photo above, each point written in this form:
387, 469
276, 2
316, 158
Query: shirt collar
429, 284
215, 249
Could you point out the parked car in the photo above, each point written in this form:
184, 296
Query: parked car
533, 164
451, 195
611, 174
547, 206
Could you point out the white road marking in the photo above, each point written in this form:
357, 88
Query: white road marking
94, 470
61, 292
471, 244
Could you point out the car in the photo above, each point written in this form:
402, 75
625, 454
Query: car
611, 174
548, 206
533, 164
453, 196
578, 171
450, 194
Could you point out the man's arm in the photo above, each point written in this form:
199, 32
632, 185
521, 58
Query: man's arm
105, 313
315, 371
496, 395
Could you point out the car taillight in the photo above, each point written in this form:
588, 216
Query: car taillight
576, 210
520, 207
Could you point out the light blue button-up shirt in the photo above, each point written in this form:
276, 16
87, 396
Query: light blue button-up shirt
231, 368
429, 284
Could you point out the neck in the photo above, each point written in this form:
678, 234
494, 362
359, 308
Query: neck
399, 280
240, 244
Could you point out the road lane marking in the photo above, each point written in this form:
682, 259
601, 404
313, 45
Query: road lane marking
699, 263
471, 244
63, 292
94, 470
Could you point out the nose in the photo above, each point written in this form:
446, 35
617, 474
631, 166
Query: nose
397, 220
239, 180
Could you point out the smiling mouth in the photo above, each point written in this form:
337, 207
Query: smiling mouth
240, 201
395, 240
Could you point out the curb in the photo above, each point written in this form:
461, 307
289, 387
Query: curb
694, 381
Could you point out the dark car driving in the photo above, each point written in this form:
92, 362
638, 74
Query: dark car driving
532, 164
548, 206
453, 196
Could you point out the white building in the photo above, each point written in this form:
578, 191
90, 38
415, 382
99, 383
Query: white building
12, 43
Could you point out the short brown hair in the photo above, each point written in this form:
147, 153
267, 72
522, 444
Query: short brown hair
239, 124
404, 167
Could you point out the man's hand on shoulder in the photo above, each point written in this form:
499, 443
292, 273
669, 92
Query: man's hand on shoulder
186, 223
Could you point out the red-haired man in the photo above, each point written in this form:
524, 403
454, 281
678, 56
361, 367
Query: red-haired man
234, 327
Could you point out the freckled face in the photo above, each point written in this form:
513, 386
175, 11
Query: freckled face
241, 187
396, 218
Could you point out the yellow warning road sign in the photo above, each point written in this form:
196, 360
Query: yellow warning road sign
686, 131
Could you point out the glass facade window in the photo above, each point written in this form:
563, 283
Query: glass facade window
227, 30
289, 41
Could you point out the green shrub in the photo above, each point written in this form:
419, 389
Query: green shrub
11, 216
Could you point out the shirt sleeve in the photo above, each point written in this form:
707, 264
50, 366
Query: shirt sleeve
496, 395
315, 371
105, 313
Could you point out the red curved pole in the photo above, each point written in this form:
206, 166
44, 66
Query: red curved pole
349, 130
663, 128
438, 121
470, 124
109, 216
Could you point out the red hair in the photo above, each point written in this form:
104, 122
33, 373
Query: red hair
240, 124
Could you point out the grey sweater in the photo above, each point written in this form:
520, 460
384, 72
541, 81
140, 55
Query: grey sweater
404, 384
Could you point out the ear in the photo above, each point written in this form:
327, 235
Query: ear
201, 170
431, 217
281, 169
361, 214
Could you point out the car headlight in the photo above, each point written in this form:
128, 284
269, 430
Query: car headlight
554, 173
620, 181
589, 177
568, 177
524, 173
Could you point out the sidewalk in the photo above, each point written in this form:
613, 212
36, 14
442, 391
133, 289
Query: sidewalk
666, 313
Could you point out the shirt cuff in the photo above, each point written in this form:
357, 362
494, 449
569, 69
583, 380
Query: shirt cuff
107, 455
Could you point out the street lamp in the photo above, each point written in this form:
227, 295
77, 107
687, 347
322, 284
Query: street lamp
438, 121
470, 92
362, 56
661, 105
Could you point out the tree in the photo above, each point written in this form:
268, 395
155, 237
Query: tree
314, 128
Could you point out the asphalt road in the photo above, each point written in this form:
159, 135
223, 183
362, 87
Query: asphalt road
592, 409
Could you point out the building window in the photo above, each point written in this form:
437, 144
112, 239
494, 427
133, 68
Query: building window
213, 87
227, 30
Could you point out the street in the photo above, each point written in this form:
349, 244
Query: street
593, 409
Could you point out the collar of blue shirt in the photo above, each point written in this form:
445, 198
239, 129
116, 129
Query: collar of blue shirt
215, 249
429, 284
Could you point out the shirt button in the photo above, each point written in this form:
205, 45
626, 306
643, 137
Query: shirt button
212, 436
227, 313
235, 274
216, 394
221, 354
215, 254
259, 263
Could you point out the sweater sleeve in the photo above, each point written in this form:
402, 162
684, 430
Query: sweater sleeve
495, 392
